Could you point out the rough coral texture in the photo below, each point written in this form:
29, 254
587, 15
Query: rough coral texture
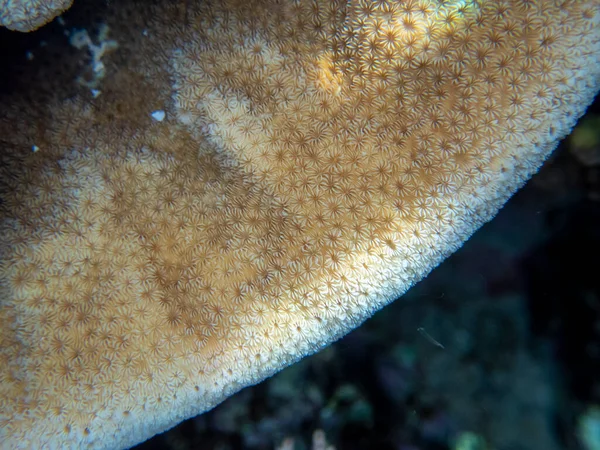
316, 160
28, 15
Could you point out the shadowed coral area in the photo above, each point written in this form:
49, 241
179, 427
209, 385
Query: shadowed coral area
314, 161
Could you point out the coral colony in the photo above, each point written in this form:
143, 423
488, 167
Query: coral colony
246, 181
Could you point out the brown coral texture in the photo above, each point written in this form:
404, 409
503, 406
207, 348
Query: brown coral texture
28, 15
317, 158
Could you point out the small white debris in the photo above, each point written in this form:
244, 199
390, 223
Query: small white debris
98, 67
158, 115
80, 39
60, 21
35, 148
95, 92
145, 32
429, 338
29, 56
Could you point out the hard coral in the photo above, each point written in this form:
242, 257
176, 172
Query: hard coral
317, 159
28, 15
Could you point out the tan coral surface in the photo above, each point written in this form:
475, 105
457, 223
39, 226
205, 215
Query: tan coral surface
28, 15
316, 159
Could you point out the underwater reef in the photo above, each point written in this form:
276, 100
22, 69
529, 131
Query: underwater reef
195, 195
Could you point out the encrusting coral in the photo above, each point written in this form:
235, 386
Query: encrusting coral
315, 160
28, 15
